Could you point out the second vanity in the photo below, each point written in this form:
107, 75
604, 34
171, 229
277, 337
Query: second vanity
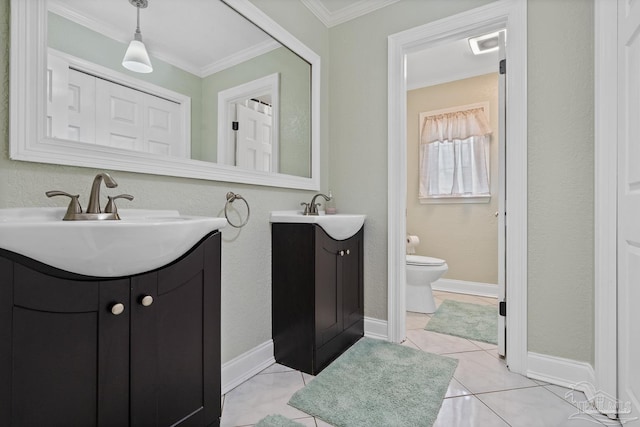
318, 295
121, 348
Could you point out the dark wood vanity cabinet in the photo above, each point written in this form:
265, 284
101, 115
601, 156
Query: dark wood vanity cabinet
69, 358
317, 296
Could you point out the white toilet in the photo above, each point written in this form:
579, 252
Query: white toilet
421, 272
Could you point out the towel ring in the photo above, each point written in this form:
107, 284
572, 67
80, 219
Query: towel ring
232, 197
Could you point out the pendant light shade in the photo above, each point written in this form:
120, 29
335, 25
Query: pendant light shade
136, 57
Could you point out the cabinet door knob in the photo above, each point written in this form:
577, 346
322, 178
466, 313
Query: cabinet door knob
348, 252
341, 253
117, 309
146, 300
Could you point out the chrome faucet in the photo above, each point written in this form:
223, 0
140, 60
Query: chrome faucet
312, 208
94, 196
74, 211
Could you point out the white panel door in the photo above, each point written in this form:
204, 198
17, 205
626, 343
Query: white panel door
82, 107
629, 211
162, 125
119, 116
254, 144
57, 97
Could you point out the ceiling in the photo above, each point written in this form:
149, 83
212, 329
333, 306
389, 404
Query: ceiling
195, 35
445, 63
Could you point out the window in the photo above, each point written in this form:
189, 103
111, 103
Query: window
454, 155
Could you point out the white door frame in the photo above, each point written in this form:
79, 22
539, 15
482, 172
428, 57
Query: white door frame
512, 15
605, 196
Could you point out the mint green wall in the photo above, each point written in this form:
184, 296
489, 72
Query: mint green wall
358, 118
295, 99
354, 120
79, 41
561, 178
560, 157
246, 253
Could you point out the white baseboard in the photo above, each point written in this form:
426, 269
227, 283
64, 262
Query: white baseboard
245, 366
252, 362
376, 328
466, 287
567, 373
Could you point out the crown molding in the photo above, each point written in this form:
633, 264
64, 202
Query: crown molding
354, 10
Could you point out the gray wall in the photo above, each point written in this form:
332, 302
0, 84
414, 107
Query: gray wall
354, 150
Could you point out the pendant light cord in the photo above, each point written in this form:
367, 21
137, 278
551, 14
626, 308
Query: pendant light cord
138, 21
138, 34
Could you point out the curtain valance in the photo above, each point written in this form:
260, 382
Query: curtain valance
455, 125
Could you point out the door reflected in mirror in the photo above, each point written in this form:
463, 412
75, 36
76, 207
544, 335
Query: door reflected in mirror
221, 91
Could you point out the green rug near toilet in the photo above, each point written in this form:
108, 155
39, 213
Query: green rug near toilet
377, 383
277, 421
462, 319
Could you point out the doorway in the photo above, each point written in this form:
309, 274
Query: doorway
512, 16
455, 184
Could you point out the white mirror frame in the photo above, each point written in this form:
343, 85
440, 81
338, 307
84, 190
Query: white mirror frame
27, 140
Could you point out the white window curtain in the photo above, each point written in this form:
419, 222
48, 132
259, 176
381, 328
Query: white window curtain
453, 155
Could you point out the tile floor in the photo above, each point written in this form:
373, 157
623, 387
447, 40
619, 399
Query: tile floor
482, 392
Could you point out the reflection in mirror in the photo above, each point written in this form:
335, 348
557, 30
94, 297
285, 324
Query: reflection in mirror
222, 90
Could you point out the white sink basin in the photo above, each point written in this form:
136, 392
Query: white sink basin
141, 241
339, 226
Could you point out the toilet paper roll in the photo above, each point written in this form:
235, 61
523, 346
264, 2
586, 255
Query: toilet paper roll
412, 242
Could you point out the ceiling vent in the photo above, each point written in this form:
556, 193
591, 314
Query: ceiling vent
484, 44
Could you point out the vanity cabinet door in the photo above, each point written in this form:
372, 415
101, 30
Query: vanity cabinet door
338, 295
328, 289
66, 352
339, 285
353, 282
175, 335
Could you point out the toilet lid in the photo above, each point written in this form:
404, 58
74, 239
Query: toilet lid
424, 260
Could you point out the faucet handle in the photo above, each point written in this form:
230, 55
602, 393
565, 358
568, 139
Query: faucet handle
306, 208
74, 204
111, 204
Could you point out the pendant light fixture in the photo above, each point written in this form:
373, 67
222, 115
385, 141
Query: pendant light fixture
136, 58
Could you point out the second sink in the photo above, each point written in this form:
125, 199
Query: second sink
339, 226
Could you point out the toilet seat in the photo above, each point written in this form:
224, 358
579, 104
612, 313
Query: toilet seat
424, 260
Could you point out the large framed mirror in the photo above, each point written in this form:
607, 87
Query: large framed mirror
232, 96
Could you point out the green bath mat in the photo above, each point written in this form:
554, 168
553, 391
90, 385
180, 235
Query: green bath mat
277, 421
462, 319
377, 383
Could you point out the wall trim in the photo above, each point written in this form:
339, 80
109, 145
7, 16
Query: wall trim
511, 14
605, 196
252, 362
567, 373
346, 13
375, 328
466, 287
241, 368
